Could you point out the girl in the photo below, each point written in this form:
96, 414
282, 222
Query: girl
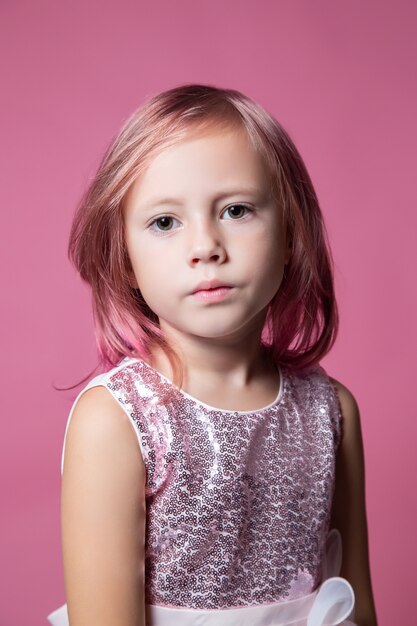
214, 471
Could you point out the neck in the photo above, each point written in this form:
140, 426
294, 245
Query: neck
235, 361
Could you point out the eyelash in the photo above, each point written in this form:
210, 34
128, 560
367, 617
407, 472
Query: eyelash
248, 209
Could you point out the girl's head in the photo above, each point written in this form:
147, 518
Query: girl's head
175, 157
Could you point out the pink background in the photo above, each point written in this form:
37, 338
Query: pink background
341, 77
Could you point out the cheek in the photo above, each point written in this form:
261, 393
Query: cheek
266, 264
154, 276
146, 260
266, 248
151, 286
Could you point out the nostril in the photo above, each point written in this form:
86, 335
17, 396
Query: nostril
207, 255
213, 257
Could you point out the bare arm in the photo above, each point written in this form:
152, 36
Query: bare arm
349, 509
103, 515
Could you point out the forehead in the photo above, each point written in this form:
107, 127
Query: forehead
203, 159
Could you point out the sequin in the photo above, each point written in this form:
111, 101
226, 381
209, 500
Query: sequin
238, 503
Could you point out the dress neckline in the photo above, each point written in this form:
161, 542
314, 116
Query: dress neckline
193, 399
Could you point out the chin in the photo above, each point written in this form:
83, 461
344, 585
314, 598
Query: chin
217, 332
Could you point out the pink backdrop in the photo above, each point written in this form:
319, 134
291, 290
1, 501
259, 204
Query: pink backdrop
341, 78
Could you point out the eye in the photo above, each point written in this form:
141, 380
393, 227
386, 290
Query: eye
162, 224
237, 211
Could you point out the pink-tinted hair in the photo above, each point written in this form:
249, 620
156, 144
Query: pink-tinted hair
302, 319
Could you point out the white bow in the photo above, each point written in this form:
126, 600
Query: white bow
333, 604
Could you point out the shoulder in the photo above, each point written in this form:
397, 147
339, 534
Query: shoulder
100, 433
348, 404
119, 381
351, 439
345, 395
330, 387
96, 409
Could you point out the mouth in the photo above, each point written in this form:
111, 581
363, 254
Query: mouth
210, 285
212, 291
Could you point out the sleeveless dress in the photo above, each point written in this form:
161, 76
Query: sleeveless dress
238, 503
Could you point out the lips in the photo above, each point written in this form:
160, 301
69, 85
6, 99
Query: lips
206, 285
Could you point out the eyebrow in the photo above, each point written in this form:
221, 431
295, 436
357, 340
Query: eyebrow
251, 191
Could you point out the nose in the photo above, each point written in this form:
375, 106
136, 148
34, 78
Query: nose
206, 245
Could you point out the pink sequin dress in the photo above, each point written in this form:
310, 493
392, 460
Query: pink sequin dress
238, 502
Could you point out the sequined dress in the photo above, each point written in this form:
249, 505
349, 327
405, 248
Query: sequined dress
238, 503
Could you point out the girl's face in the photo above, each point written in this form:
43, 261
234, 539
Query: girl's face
202, 211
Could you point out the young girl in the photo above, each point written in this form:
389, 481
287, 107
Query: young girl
214, 471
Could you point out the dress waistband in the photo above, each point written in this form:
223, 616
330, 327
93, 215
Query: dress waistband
331, 604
